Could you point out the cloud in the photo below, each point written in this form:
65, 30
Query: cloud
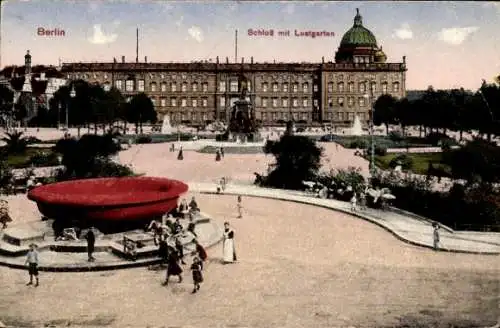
99, 37
196, 33
178, 22
404, 32
289, 9
456, 35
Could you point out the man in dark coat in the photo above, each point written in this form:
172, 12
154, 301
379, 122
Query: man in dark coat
90, 236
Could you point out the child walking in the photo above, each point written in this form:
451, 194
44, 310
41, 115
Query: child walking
32, 261
197, 268
240, 207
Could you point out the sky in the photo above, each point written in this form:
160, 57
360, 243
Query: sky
446, 44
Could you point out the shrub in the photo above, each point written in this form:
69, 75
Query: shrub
404, 160
44, 158
358, 143
379, 150
446, 145
144, 139
395, 136
434, 138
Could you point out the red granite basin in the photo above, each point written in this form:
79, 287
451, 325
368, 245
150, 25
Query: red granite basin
108, 199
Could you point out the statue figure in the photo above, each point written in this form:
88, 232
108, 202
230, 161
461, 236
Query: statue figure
242, 117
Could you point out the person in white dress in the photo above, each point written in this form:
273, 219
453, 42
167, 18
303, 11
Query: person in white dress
228, 249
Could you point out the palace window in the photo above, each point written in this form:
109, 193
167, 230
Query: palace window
163, 102
295, 116
105, 75
222, 101
315, 102
184, 87
362, 87
361, 102
351, 87
204, 102
275, 87
395, 87
173, 87
264, 86
350, 101
330, 86
275, 102
163, 87
384, 87
173, 102
305, 87
305, 102
295, 87
107, 86
374, 86
194, 102
194, 87
153, 87
330, 102
295, 102
315, 88
184, 117
305, 116
340, 87
264, 116
140, 85
285, 116
340, 101
153, 100
204, 87
183, 102
205, 116
194, 116
249, 85
264, 102
285, 87
162, 76
275, 116
129, 85
233, 87
222, 86
284, 102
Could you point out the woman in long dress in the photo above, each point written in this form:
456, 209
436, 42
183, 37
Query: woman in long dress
173, 267
228, 249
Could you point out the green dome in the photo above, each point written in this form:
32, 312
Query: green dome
358, 35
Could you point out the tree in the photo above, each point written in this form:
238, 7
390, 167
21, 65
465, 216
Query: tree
84, 157
478, 159
297, 159
139, 110
384, 111
403, 112
15, 142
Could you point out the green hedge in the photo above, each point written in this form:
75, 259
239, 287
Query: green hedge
391, 141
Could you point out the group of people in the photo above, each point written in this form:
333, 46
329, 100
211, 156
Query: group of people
355, 201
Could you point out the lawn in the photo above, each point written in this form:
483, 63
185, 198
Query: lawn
382, 141
33, 156
420, 161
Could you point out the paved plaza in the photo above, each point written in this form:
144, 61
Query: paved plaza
299, 265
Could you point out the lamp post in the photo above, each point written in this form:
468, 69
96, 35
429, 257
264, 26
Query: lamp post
72, 94
369, 96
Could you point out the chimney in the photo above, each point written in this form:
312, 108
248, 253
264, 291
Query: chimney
404, 59
227, 60
217, 59
123, 59
323, 59
242, 60
251, 60
145, 59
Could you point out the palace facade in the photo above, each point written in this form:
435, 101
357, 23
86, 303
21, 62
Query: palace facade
312, 93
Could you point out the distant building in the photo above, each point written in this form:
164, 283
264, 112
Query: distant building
198, 93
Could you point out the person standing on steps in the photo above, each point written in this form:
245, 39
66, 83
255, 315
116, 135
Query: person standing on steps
197, 268
228, 249
32, 262
436, 236
240, 207
90, 236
